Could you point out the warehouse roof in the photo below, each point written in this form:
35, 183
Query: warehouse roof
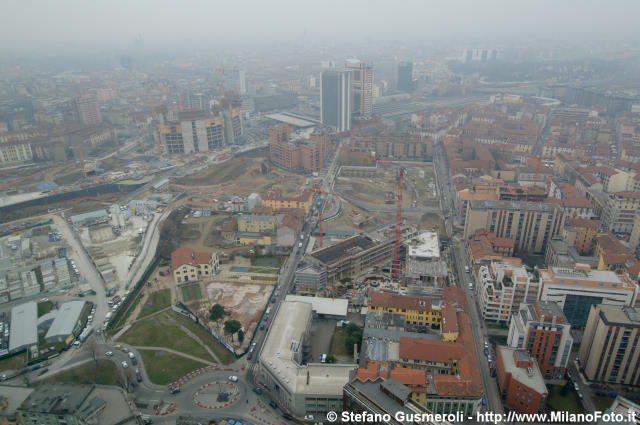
66, 319
328, 306
24, 326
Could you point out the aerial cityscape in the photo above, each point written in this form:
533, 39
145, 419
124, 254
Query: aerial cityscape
280, 213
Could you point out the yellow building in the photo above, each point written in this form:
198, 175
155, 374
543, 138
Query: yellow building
253, 239
257, 223
274, 200
416, 310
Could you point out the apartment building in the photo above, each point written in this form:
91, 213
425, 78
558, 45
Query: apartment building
544, 332
609, 350
304, 150
275, 201
502, 288
576, 289
581, 234
194, 131
620, 211
520, 382
257, 223
529, 224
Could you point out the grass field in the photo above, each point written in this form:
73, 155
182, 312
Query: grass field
223, 354
44, 308
337, 343
563, 403
192, 292
162, 331
155, 302
267, 270
267, 278
164, 368
102, 372
13, 363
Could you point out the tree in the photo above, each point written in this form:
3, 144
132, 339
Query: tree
231, 327
240, 335
330, 358
354, 336
216, 313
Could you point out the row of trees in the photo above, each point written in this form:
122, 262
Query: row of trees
230, 327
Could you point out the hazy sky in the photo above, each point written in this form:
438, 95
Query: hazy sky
47, 23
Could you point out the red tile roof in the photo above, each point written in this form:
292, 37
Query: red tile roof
378, 299
185, 255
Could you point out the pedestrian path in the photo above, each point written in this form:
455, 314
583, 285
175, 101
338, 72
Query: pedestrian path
177, 353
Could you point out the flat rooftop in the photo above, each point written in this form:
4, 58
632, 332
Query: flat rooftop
620, 315
426, 245
514, 206
288, 119
24, 326
590, 276
532, 380
284, 344
321, 305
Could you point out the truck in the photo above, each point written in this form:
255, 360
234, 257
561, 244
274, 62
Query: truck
85, 334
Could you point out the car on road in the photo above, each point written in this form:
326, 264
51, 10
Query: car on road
287, 416
117, 346
138, 375
233, 378
175, 390
308, 417
257, 390
125, 365
43, 371
273, 404
147, 421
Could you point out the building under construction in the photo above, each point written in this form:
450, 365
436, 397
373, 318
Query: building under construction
357, 254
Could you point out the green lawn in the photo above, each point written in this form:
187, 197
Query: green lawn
164, 368
155, 302
130, 310
44, 308
265, 278
601, 403
13, 363
568, 402
161, 331
223, 354
267, 270
104, 372
190, 293
338, 343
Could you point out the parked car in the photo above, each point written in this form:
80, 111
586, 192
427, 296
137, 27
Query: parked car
233, 378
125, 365
175, 390
43, 371
287, 416
308, 417
273, 404
257, 390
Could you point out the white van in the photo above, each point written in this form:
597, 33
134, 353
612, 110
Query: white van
471, 286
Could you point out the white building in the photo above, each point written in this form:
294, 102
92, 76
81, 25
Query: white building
313, 388
501, 289
24, 327
66, 322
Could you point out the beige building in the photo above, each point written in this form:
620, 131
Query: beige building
620, 211
502, 288
529, 224
257, 223
15, 152
188, 265
195, 131
634, 239
608, 351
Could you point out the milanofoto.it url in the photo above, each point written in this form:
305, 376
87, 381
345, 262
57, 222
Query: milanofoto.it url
485, 417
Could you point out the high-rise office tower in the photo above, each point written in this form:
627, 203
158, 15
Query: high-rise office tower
88, 110
335, 99
361, 87
239, 77
405, 76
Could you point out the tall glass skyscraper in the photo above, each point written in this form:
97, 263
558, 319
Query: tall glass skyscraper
405, 76
335, 99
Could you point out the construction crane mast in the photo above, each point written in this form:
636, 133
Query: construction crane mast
396, 252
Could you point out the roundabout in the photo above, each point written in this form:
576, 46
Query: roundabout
216, 395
